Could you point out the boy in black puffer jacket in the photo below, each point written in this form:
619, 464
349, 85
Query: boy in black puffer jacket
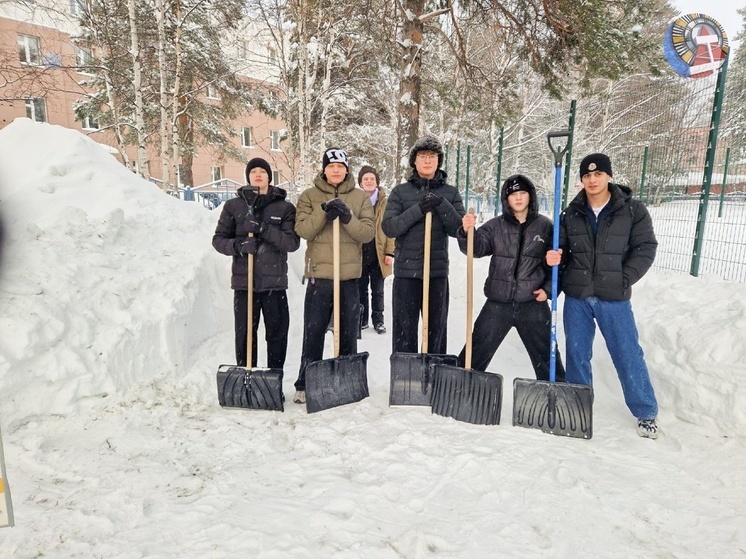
404, 219
607, 244
519, 281
261, 209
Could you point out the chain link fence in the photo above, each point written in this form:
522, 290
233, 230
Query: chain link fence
660, 133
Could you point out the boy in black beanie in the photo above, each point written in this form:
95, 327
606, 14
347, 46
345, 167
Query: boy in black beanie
262, 210
519, 283
607, 244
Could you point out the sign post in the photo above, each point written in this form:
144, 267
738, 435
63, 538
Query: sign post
6, 505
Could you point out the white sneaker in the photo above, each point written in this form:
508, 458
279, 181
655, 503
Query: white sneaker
300, 397
647, 428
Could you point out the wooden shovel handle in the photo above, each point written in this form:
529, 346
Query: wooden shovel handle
335, 249
426, 279
469, 291
250, 312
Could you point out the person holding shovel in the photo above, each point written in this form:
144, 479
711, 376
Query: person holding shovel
259, 221
404, 219
519, 281
607, 244
378, 254
332, 196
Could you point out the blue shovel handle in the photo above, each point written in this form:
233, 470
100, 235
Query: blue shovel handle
559, 153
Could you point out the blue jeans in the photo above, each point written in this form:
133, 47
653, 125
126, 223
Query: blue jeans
617, 325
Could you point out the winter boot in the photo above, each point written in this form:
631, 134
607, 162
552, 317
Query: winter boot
647, 428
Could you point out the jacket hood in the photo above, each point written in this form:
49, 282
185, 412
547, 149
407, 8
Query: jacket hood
437, 181
343, 188
260, 200
533, 204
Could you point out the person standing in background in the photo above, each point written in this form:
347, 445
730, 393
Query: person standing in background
378, 255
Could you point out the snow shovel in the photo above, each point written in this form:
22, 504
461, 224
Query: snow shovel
411, 381
556, 408
463, 394
341, 380
247, 387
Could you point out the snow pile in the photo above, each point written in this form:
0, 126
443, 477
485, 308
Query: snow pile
107, 281
115, 312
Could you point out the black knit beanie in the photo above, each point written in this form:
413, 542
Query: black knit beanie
364, 170
426, 143
258, 162
518, 183
595, 162
335, 155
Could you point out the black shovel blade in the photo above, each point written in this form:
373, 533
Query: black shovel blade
467, 395
411, 382
336, 382
255, 389
558, 408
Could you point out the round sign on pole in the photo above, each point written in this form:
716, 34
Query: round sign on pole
695, 45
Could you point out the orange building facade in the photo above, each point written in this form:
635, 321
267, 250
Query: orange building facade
40, 79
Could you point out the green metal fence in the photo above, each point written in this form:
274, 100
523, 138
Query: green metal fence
662, 135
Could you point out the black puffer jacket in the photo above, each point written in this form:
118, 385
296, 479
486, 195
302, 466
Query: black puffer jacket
606, 264
518, 250
404, 221
277, 238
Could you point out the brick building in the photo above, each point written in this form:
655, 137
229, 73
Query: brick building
40, 77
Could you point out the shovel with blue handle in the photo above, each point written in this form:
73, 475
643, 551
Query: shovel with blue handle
558, 408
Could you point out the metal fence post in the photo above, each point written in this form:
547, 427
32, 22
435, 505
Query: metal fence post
725, 177
499, 168
458, 162
644, 171
712, 139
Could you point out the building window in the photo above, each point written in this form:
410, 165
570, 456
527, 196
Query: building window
35, 109
83, 60
28, 49
275, 139
272, 55
89, 123
76, 7
243, 49
217, 173
247, 137
212, 92
275, 177
179, 174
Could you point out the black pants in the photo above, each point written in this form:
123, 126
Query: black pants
371, 274
273, 305
317, 309
532, 320
407, 303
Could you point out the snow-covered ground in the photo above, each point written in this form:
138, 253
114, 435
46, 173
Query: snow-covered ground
115, 313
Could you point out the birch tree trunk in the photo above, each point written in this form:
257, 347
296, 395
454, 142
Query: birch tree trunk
179, 117
165, 128
142, 154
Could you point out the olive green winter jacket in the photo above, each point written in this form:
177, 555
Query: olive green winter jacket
311, 225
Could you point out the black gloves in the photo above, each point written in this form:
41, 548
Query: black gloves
430, 202
336, 208
247, 246
254, 225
